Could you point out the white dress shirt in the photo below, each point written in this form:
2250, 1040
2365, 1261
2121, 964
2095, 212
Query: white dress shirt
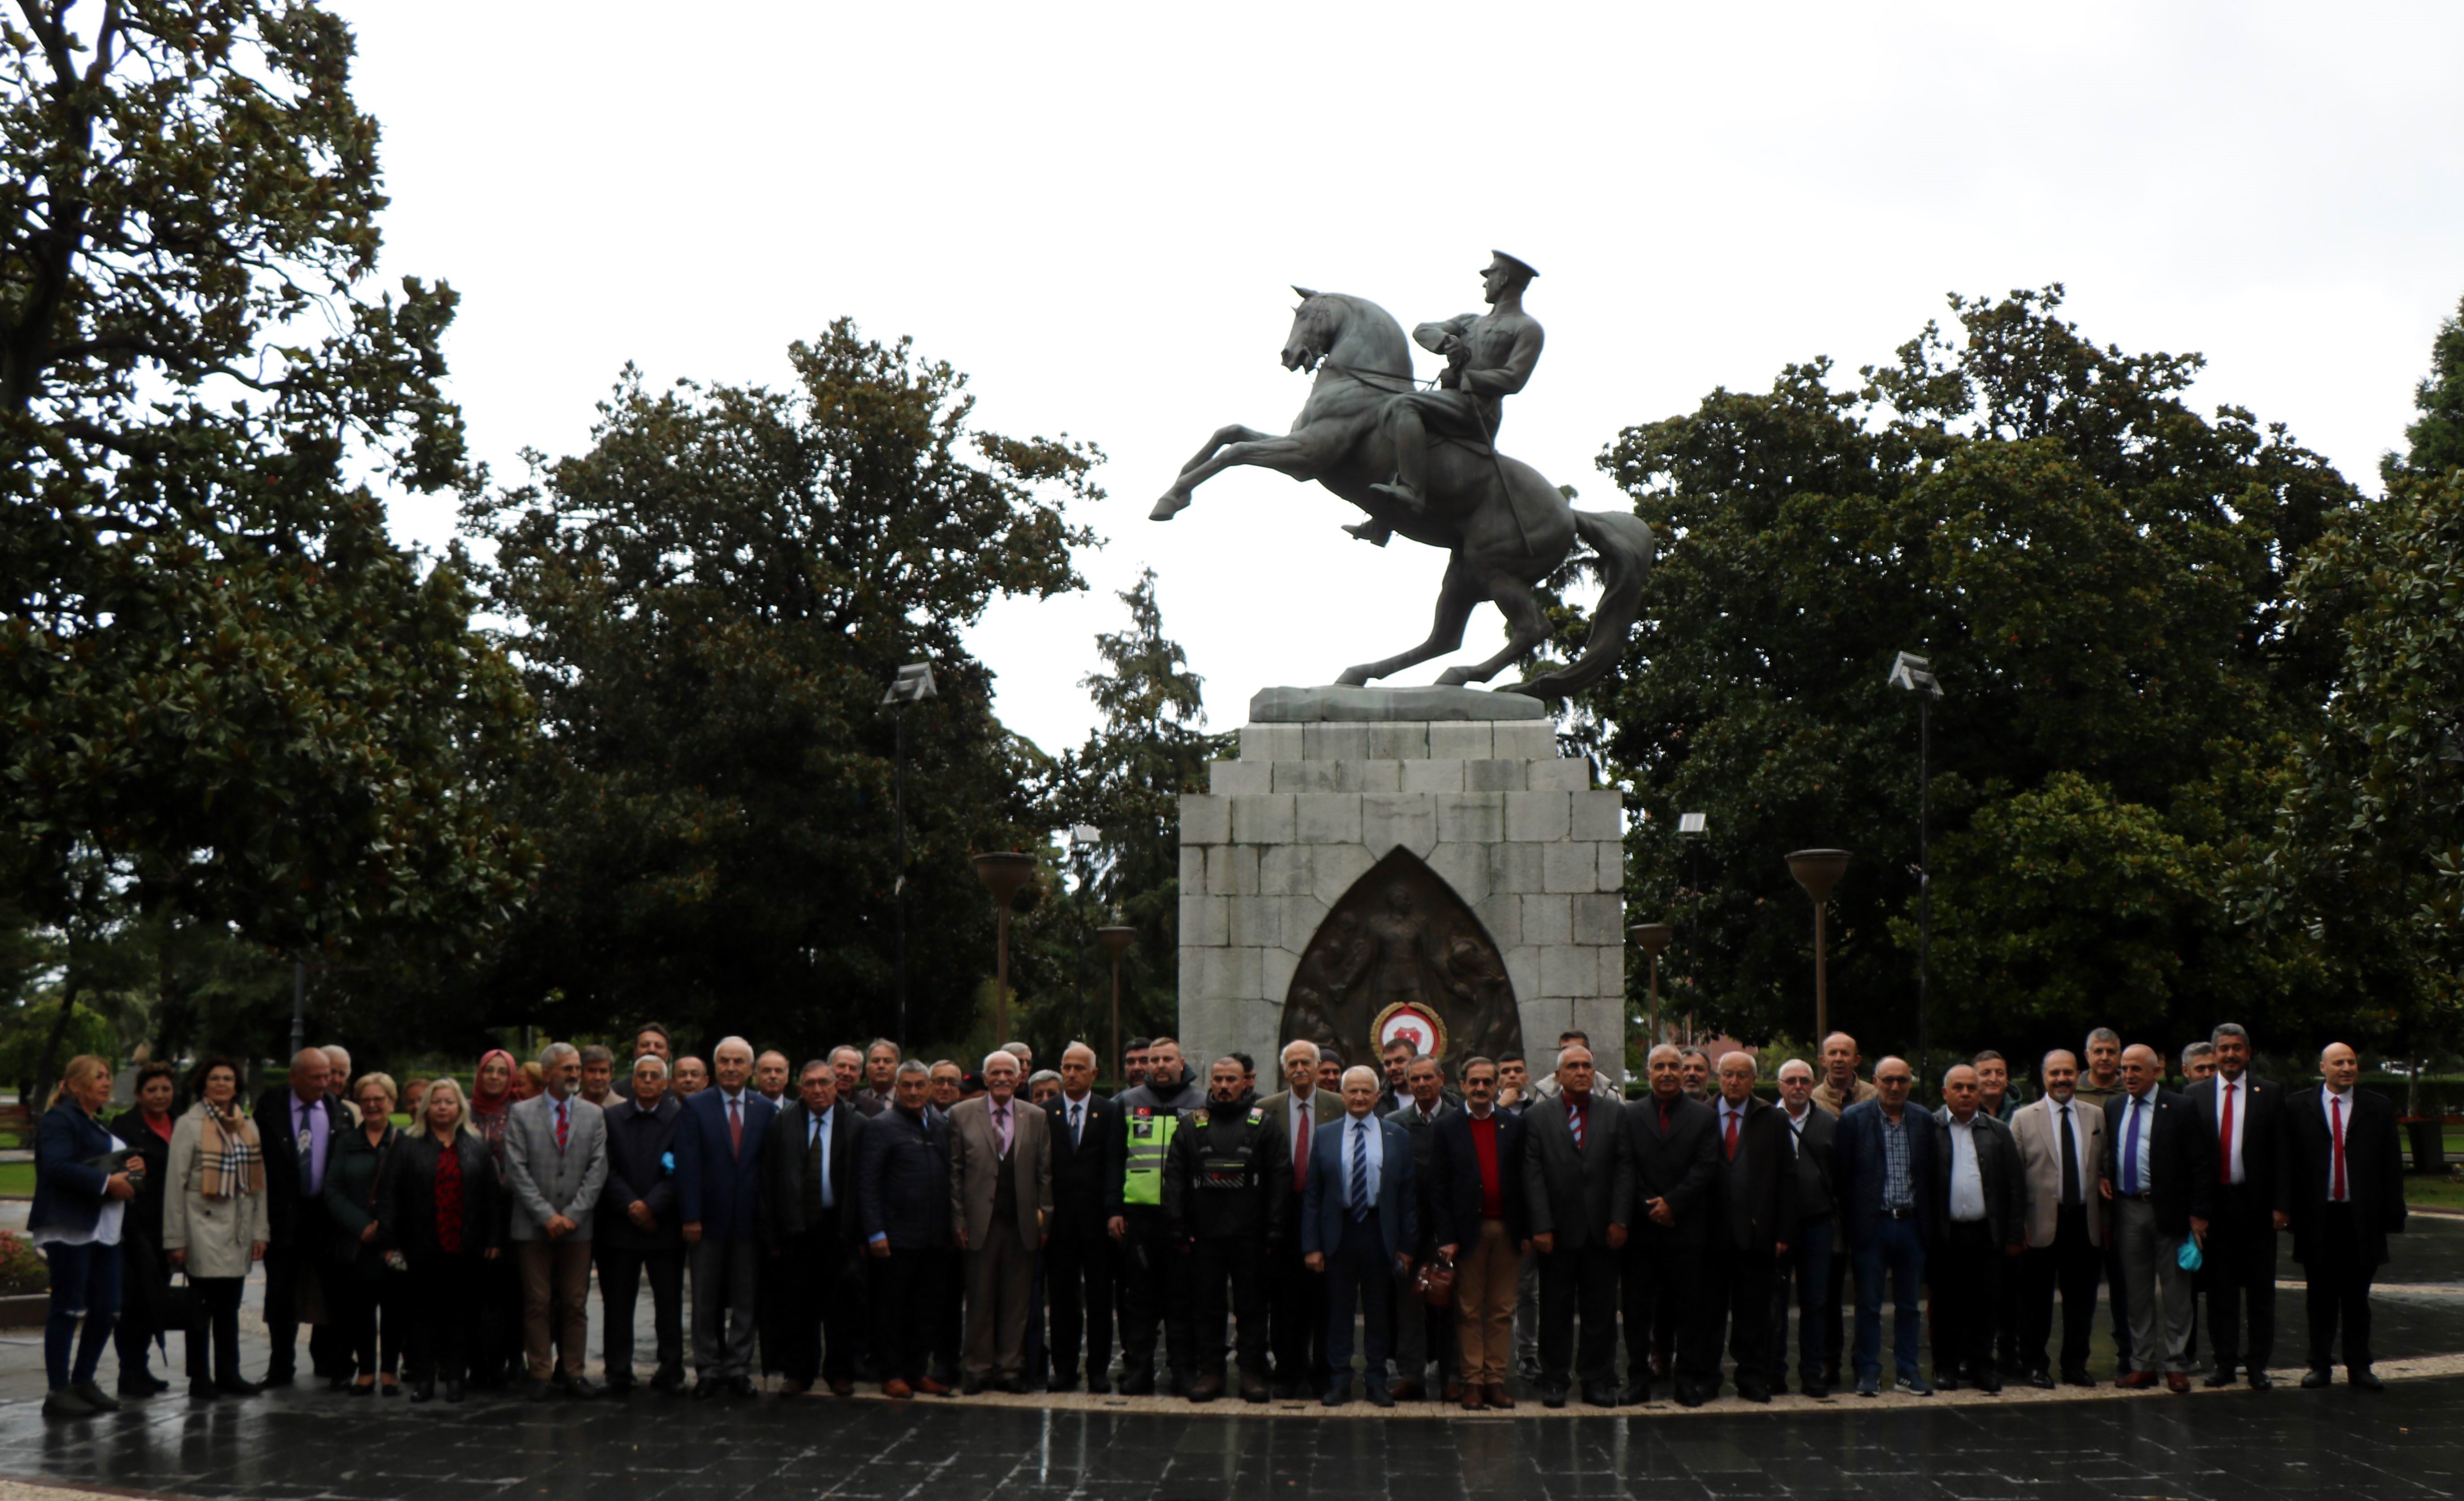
1967, 1177
2238, 1092
2329, 1103
1356, 1144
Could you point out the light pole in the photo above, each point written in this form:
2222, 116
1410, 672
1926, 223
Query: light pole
1654, 937
912, 685
1915, 674
1117, 941
1818, 871
1002, 872
1694, 832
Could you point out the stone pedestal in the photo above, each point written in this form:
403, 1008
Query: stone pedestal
1328, 784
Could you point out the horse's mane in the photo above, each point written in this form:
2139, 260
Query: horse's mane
1386, 351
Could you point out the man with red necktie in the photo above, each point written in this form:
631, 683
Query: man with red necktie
2341, 1191
2243, 1118
718, 1147
1295, 1296
1673, 1153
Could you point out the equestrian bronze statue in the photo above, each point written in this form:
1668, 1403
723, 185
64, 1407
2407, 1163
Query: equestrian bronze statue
1424, 463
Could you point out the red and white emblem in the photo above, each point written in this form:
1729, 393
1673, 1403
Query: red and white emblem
1408, 1021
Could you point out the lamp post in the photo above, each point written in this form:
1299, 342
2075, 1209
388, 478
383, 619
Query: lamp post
913, 685
1654, 937
1915, 674
1117, 941
1002, 872
1818, 871
1693, 833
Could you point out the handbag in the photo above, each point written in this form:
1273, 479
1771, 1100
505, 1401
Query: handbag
1435, 1282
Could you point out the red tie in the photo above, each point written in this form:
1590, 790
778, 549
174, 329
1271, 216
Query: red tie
1731, 1134
1574, 1120
735, 1127
563, 1122
2224, 1140
2336, 1120
1300, 1149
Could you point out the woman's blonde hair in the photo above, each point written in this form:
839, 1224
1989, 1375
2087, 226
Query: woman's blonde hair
382, 1080
461, 1104
81, 1067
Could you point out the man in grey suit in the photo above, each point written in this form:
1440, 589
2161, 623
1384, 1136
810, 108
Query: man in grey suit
1296, 1294
1425, 1083
1000, 1203
1581, 1200
555, 1161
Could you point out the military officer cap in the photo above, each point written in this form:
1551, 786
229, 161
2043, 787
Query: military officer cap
1520, 268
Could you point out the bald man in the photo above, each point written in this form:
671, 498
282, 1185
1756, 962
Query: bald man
2159, 1199
300, 1125
2342, 1194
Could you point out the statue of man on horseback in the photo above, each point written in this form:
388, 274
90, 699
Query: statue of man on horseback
1425, 464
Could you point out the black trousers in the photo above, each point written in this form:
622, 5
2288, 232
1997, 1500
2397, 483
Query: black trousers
2074, 1267
2006, 1321
1834, 1296
620, 1285
1965, 1274
144, 1289
914, 1319
1155, 1292
494, 1350
1078, 1286
2340, 1293
2240, 1268
1298, 1297
214, 1322
1237, 1261
1802, 1276
1583, 1282
356, 1303
812, 1322
1735, 1298
1358, 1270
302, 1256
442, 1297
1664, 1291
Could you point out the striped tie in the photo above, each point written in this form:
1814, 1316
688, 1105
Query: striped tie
1360, 1170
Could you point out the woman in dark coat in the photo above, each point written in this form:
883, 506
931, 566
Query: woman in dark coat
81, 1192
440, 1204
145, 1272
363, 1286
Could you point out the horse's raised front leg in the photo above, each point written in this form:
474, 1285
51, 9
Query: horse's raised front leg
1234, 446
1526, 627
1456, 599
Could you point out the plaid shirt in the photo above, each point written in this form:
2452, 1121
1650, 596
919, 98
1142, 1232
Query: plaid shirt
1897, 1191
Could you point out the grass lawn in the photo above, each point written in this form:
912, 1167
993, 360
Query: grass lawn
16, 1180
2420, 1191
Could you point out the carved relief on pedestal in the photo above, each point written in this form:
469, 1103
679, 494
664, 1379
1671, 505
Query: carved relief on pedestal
1401, 956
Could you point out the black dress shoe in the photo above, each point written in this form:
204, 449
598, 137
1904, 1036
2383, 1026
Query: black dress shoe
582, 1388
203, 1391
707, 1387
235, 1386
1061, 1382
138, 1386
973, 1386
1990, 1383
2364, 1379
617, 1384
1135, 1382
1637, 1393
453, 1391
742, 1386
2261, 1381
1553, 1396
1599, 1394
1754, 1390
1014, 1386
388, 1388
2222, 1376
1689, 1395
279, 1378
668, 1380
337, 1383
2078, 1379
423, 1391
1947, 1381
362, 1389
2042, 1380
2314, 1379
1337, 1394
540, 1391
1101, 1386
1379, 1394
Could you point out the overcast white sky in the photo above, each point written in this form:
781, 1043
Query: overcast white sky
1095, 210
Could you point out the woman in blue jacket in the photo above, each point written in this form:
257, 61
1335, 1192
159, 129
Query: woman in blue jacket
81, 1191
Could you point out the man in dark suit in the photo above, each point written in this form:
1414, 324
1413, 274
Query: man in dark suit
1420, 1330
718, 1152
1980, 1228
638, 1229
301, 1126
1577, 1193
1888, 1164
1750, 1218
1808, 1262
2340, 1190
2152, 1184
903, 1209
1669, 1141
1357, 1227
1295, 1296
1477, 1163
806, 1207
2241, 1119
1078, 1262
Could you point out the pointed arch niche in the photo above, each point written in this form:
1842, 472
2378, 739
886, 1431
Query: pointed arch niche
1401, 938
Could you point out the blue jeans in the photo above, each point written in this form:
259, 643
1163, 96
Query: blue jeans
85, 1288
1895, 1248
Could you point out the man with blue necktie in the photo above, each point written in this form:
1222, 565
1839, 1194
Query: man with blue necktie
2159, 1199
1357, 1227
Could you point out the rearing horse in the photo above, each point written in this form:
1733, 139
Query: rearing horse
1503, 526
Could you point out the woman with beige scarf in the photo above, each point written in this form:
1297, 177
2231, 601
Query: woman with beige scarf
213, 1221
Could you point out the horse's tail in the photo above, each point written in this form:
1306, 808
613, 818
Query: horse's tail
1626, 547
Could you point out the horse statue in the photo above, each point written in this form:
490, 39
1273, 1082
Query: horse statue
1503, 526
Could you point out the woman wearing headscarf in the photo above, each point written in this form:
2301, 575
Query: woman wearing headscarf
214, 1221
81, 1193
144, 1274
364, 1282
440, 1207
496, 1348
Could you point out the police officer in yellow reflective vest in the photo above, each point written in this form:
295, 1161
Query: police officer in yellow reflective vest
1152, 1272
1224, 1186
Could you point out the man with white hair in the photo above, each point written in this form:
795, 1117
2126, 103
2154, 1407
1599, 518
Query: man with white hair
718, 1149
1575, 1179
1078, 1265
1808, 1262
556, 1163
1296, 1296
1000, 1201
1357, 1227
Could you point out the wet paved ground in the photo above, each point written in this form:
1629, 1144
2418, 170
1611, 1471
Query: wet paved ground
304, 1445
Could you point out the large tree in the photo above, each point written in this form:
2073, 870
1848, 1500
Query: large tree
2098, 573
225, 694
707, 605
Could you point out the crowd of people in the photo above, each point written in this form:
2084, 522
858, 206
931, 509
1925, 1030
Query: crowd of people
869, 1217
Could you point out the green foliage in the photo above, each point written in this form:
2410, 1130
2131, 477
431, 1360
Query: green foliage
2099, 576
706, 607
2435, 438
228, 697
26, 1030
